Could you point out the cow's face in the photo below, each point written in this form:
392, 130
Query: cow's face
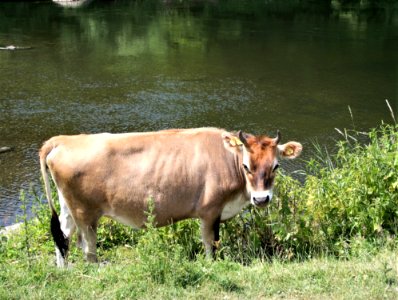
260, 162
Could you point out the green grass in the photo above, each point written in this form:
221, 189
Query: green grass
127, 277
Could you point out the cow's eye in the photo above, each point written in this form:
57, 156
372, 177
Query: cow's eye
276, 167
246, 169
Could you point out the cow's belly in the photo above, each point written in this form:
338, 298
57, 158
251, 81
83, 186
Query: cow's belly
124, 220
168, 208
234, 206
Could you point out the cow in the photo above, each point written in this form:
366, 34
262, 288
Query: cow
204, 173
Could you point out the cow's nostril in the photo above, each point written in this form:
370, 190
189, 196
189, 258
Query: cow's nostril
261, 200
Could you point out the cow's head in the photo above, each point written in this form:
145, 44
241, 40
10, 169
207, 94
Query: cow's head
259, 161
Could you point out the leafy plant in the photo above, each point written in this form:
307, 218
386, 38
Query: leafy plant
354, 195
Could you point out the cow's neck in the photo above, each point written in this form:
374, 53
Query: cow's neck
238, 163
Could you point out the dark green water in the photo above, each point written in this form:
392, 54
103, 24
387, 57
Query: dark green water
148, 65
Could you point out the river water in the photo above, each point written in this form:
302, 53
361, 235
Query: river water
119, 66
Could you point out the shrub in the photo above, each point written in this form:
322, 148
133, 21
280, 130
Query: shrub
354, 195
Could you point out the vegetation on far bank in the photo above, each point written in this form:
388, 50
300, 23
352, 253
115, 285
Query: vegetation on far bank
333, 235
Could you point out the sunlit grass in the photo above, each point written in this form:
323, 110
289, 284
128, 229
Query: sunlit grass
128, 276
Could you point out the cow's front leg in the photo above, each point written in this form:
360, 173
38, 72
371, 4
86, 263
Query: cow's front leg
89, 241
210, 230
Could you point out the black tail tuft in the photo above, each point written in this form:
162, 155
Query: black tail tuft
59, 237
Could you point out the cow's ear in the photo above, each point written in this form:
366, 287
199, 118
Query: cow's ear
290, 150
231, 142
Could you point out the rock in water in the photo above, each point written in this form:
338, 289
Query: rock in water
5, 149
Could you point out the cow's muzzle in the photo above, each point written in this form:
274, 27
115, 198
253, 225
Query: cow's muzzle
261, 199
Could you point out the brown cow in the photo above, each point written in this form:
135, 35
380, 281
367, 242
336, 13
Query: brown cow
204, 173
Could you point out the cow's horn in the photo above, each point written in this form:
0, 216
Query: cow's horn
278, 137
242, 138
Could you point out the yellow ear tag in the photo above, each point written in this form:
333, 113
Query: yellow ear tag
235, 141
289, 151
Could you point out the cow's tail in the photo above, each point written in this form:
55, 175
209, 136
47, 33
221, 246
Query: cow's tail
59, 237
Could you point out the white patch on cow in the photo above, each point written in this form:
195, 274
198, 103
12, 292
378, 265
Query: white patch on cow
52, 153
234, 206
68, 226
60, 258
65, 218
261, 194
246, 158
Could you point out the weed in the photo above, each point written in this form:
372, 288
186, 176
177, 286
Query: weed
24, 207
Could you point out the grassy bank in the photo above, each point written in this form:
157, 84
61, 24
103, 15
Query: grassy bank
128, 277
332, 236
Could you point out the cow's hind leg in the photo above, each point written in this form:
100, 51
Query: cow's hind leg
68, 227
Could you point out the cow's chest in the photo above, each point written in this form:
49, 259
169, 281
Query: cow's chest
234, 206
